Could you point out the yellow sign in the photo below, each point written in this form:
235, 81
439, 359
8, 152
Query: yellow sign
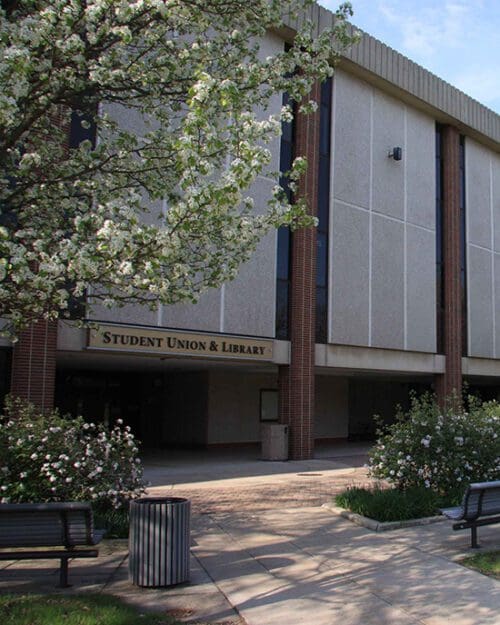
172, 342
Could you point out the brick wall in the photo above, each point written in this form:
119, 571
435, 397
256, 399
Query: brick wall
34, 364
451, 381
296, 381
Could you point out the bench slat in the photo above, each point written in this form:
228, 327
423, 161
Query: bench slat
481, 499
42, 528
66, 524
480, 504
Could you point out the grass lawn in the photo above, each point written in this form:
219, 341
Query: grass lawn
390, 504
486, 563
74, 610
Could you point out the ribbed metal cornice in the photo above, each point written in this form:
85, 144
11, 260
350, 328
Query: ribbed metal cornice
379, 64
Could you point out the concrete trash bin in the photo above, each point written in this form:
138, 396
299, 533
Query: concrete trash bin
159, 541
274, 441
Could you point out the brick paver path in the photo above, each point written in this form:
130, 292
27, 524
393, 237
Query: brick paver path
275, 491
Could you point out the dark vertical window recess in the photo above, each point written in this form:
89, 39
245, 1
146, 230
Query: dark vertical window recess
323, 212
5, 372
284, 234
82, 128
439, 243
463, 248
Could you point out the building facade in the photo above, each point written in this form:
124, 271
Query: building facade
398, 288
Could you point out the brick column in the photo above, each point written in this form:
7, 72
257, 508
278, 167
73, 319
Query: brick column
451, 381
296, 381
34, 364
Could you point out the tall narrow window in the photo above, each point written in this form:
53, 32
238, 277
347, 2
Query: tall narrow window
82, 128
463, 244
439, 243
323, 212
284, 234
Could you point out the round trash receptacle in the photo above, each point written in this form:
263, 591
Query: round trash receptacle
159, 541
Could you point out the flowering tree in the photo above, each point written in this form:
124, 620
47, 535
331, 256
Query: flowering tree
155, 210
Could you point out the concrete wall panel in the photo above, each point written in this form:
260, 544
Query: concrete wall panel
419, 157
496, 338
350, 271
495, 189
133, 313
205, 315
234, 406
352, 140
478, 194
270, 45
388, 283
331, 413
388, 174
421, 290
249, 301
480, 303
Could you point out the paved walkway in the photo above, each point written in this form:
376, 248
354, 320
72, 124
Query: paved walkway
275, 559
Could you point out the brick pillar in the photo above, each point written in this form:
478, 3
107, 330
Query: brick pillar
451, 381
34, 364
296, 381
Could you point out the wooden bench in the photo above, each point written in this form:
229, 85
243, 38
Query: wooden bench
65, 525
480, 506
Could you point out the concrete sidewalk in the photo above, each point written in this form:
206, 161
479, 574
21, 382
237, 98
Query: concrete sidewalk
263, 563
309, 566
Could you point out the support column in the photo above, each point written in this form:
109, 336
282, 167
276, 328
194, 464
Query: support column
296, 381
451, 381
34, 364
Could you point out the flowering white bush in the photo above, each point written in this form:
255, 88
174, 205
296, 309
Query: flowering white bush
54, 458
441, 450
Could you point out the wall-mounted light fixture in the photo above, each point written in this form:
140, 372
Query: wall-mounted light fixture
396, 154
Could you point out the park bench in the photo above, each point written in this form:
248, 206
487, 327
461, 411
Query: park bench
480, 506
65, 527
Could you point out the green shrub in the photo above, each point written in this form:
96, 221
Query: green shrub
54, 458
391, 504
439, 450
114, 521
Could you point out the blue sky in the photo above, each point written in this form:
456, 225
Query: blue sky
456, 39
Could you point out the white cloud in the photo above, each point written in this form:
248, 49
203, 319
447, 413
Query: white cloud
455, 39
480, 83
426, 29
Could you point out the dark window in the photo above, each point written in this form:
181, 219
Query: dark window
439, 243
82, 128
323, 212
321, 313
5, 372
284, 235
463, 253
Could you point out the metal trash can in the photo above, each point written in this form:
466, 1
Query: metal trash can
274, 441
159, 541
